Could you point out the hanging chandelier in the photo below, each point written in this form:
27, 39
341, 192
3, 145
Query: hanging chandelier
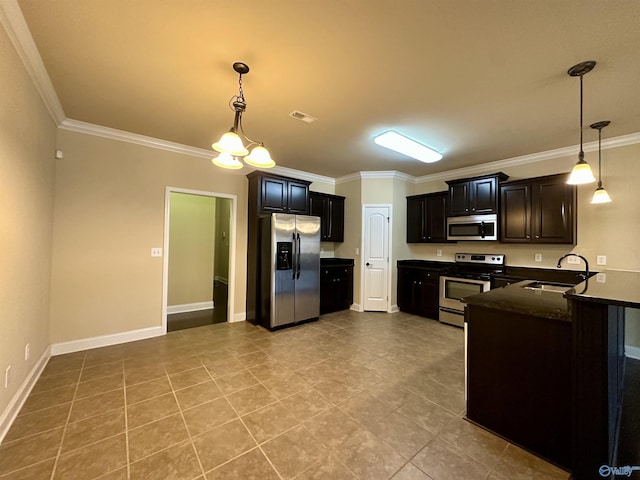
600, 195
230, 146
581, 172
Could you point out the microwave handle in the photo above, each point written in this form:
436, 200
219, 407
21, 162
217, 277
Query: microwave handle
482, 229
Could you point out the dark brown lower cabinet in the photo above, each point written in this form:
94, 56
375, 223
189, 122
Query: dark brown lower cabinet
336, 285
519, 379
418, 291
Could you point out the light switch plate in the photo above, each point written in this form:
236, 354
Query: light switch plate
574, 260
156, 252
601, 260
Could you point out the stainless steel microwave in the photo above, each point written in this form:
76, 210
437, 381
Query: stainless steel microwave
473, 227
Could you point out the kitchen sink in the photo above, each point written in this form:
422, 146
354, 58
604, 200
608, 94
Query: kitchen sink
549, 287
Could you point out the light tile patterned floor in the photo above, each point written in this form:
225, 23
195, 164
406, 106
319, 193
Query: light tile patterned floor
351, 396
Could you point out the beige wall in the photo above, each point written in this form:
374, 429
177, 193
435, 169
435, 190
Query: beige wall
27, 147
109, 212
191, 248
352, 230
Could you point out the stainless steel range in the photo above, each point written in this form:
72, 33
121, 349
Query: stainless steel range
471, 274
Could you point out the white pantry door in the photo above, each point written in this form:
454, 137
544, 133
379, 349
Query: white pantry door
376, 257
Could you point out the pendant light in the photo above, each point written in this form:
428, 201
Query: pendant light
600, 195
581, 172
231, 145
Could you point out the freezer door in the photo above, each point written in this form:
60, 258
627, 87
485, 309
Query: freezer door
283, 232
307, 297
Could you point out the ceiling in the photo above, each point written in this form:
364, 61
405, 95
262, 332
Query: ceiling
478, 81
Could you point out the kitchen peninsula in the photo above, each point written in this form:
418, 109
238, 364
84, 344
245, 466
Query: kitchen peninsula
546, 367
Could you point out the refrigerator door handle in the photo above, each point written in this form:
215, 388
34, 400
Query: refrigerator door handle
298, 256
294, 261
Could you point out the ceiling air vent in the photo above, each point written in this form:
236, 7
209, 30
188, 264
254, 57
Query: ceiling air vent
303, 117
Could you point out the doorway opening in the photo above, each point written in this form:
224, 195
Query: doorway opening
199, 260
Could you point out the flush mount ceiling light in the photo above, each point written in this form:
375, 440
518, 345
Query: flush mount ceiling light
401, 144
581, 172
231, 145
600, 195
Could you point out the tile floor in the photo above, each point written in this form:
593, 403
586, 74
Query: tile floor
351, 396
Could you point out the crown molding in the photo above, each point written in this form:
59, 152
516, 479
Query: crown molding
18, 32
389, 174
123, 136
621, 141
114, 134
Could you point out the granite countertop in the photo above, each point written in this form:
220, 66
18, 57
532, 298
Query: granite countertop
621, 288
515, 298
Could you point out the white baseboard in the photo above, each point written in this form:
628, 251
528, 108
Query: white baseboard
189, 307
238, 317
356, 307
104, 340
16, 403
394, 309
632, 352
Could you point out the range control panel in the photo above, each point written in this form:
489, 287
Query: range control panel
481, 259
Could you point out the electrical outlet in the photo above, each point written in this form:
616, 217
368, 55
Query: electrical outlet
7, 377
156, 252
601, 260
27, 352
601, 277
574, 260
357, 251
438, 253
538, 257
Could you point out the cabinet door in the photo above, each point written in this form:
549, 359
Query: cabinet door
553, 211
297, 198
318, 208
427, 296
459, 199
515, 213
416, 217
436, 217
335, 216
406, 278
273, 195
483, 196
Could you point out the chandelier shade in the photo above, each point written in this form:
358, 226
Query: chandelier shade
259, 158
231, 144
225, 160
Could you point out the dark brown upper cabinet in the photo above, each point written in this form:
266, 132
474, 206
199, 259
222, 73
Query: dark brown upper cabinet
275, 194
538, 210
427, 218
330, 209
474, 196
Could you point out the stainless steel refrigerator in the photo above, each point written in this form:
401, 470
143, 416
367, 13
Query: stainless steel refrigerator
289, 269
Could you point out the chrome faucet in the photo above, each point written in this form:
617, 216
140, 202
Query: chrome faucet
586, 263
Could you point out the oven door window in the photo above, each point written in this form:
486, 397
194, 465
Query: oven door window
457, 289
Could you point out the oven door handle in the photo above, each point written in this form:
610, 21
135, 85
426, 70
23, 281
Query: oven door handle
451, 310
